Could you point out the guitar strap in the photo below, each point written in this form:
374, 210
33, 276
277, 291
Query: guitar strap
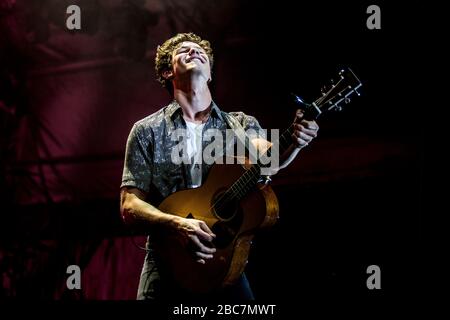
242, 136
238, 129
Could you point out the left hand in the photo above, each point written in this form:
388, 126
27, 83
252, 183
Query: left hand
304, 131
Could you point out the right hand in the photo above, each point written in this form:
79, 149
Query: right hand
196, 232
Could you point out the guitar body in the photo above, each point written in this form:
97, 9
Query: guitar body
234, 227
234, 222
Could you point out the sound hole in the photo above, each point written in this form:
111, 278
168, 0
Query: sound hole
230, 219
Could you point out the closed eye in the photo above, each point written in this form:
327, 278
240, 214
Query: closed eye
186, 49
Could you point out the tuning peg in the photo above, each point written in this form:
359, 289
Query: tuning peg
334, 106
357, 93
347, 100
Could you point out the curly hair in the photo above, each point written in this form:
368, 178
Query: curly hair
163, 60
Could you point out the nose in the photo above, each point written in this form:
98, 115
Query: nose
194, 50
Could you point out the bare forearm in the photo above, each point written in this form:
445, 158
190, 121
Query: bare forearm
285, 159
136, 211
304, 132
288, 156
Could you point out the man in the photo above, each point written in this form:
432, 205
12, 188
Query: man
183, 66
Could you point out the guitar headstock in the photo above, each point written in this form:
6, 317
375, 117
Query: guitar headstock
335, 96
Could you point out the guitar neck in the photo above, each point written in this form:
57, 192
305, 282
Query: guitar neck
339, 93
253, 175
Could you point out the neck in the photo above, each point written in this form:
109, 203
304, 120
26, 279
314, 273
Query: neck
195, 99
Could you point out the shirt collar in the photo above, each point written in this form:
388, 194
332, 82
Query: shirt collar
174, 108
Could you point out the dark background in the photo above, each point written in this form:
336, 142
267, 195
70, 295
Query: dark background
69, 98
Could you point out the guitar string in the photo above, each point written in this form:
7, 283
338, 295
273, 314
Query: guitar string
236, 189
238, 192
227, 194
239, 186
230, 193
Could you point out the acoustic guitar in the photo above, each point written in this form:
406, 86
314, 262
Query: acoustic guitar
234, 203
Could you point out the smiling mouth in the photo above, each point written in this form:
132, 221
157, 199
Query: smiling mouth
189, 60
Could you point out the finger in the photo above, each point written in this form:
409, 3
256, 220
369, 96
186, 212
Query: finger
200, 245
310, 124
310, 132
200, 261
202, 234
205, 228
298, 115
302, 143
303, 136
202, 255
299, 142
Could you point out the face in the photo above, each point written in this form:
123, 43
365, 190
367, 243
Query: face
190, 57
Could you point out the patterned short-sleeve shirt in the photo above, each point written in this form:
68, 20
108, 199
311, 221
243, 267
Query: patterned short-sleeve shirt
148, 164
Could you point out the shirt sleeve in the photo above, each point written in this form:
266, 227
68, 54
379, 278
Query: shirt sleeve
250, 125
138, 165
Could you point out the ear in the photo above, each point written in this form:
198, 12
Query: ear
167, 75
